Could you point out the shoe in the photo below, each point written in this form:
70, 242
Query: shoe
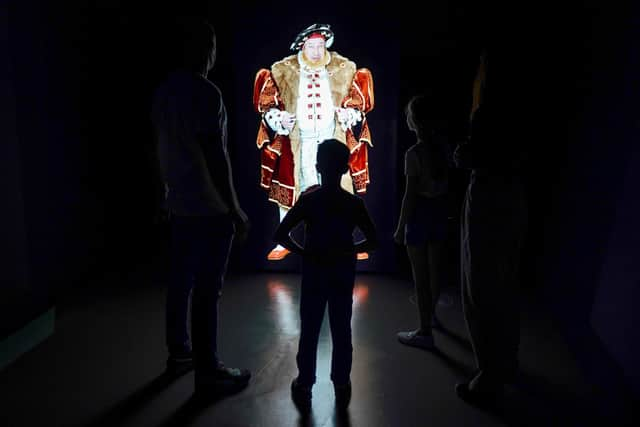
482, 399
221, 380
343, 395
301, 396
278, 254
413, 339
362, 256
179, 363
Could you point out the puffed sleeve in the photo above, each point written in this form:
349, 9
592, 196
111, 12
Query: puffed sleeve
265, 92
361, 96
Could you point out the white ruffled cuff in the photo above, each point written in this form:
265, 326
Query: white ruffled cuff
353, 117
273, 117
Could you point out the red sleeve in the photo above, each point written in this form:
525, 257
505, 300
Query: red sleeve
361, 95
265, 92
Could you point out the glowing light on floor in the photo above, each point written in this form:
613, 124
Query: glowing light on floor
360, 295
286, 310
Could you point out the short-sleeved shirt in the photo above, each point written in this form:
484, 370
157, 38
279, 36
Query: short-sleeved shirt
330, 219
415, 164
186, 107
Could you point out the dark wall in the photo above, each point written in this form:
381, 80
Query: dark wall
50, 77
54, 216
14, 282
591, 234
14, 244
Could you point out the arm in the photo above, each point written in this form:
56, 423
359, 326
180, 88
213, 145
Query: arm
407, 208
160, 188
289, 222
219, 167
267, 102
281, 122
157, 168
358, 102
221, 174
212, 136
212, 141
365, 224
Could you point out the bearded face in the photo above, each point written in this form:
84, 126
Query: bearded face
314, 50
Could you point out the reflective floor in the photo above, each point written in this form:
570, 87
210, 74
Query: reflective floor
102, 365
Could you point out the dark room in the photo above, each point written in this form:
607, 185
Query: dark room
390, 214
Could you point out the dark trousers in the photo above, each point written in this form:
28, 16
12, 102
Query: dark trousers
199, 253
322, 286
493, 228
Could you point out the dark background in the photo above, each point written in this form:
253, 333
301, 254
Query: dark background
76, 87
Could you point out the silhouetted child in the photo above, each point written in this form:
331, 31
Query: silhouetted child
422, 225
330, 215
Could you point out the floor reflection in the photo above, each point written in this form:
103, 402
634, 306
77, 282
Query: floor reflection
285, 308
360, 295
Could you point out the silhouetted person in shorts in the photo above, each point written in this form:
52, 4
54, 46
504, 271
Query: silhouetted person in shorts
422, 225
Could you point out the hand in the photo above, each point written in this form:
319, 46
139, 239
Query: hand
288, 120
398, 236
343, 114
242, 224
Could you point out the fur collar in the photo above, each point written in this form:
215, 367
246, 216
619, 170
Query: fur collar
286, 74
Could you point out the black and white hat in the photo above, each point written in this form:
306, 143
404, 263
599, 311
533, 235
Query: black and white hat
323, 30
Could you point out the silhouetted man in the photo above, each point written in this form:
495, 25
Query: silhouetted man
494, 221
190, 120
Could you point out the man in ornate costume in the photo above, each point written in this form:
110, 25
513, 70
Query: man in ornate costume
303, 100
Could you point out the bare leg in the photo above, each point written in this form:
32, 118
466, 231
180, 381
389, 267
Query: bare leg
437, 252
418, 258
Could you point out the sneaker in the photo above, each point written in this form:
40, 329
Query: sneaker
343, 395
301, 396
179, 363
414, 339
221, 380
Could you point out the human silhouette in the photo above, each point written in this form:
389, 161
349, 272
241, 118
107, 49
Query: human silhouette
190, 122
494, 221
330, 215
422, 225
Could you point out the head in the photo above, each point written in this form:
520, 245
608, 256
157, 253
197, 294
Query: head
425, 118
313, 41
332, 160
422, 117
314, 49
198, 42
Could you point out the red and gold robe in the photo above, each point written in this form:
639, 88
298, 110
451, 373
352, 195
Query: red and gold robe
278, 88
